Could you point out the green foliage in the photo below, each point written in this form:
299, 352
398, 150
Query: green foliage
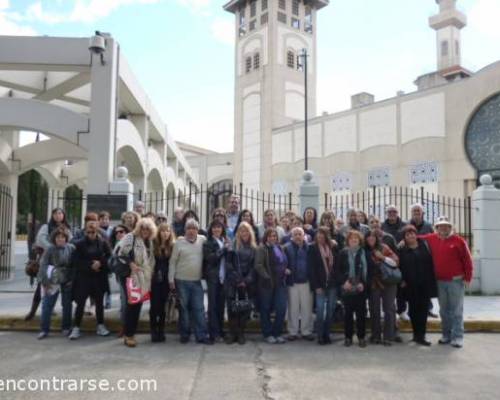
32, 199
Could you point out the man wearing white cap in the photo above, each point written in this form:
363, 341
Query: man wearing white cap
453, 267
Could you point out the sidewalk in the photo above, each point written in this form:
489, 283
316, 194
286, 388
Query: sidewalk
481, 313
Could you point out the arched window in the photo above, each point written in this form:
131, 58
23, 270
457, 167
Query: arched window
290, 59
248, 64
256, 61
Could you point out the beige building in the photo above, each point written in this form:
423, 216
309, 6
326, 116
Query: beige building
425, 138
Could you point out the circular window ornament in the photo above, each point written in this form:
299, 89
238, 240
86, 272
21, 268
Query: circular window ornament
482, 138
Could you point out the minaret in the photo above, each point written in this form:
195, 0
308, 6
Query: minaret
269, 85
448, 24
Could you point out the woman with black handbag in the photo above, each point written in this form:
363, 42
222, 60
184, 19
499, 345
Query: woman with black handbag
419, 281
42, 243
240, 278
381, 259
353, 275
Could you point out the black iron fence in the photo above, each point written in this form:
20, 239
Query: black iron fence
6, 266
375, 200
206, 198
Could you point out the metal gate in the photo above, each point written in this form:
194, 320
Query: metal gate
5, 232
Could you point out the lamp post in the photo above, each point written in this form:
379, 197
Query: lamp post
302, 61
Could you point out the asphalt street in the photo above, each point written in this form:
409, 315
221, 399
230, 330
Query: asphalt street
299, 370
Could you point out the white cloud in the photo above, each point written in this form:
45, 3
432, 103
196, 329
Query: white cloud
483, 17
223, 30
8, 26
85, 11
197, 6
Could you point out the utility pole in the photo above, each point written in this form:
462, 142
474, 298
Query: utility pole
304, 56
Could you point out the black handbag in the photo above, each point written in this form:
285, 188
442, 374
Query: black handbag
120, 265
240, 305
390, 275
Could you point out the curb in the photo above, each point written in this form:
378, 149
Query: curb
18, 324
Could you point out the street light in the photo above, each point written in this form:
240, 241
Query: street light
302, 63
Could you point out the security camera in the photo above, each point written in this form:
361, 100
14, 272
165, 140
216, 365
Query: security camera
97, 44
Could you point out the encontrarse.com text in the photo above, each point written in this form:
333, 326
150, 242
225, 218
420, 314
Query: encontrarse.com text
55, 384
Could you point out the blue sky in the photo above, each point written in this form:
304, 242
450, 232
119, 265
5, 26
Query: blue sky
182, 50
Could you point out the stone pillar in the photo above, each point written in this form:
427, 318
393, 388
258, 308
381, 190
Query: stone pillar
486, 233
308, 192
104, 77
122, 191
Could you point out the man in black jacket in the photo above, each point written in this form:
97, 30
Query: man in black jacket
394, 225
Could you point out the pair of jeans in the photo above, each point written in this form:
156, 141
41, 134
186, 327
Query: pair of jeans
355, 304
273, 299
48, 304
325, 311
451, 308
388, 296
216, 304
192, 309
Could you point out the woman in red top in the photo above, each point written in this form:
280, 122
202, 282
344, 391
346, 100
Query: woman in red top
376, 254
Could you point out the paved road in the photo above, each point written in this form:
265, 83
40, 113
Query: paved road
259, 371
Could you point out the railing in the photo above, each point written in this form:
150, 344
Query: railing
5, 232
375, 200
205, 199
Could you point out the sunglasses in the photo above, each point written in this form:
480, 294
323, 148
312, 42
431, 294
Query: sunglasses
91, 232
119, 231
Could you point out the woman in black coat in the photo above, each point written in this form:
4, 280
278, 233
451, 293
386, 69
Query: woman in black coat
90, 259
240, 279
323, 281
419, 281
214, 264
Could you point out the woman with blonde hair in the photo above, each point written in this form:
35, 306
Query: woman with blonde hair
163, 244
137, 247
240, 278
130, 219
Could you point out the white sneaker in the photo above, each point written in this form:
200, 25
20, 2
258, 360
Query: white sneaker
404, 316
65, 332
271, 340
101, 330
42, 335
280, 340
75, 333
457, 343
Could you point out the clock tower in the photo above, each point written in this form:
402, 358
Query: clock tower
269, 83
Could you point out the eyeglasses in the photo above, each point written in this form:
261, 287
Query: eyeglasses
119, 231
219, 215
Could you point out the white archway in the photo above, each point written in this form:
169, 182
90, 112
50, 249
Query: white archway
39, 116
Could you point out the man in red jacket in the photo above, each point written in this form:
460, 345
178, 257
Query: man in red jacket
453, 268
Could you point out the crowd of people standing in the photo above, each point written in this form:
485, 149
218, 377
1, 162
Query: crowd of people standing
303, 269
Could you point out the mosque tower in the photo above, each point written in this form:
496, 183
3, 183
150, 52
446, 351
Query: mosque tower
269, 85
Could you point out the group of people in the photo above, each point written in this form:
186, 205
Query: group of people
303, 269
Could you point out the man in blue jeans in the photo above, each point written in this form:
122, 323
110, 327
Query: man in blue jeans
453, 268
184, 275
